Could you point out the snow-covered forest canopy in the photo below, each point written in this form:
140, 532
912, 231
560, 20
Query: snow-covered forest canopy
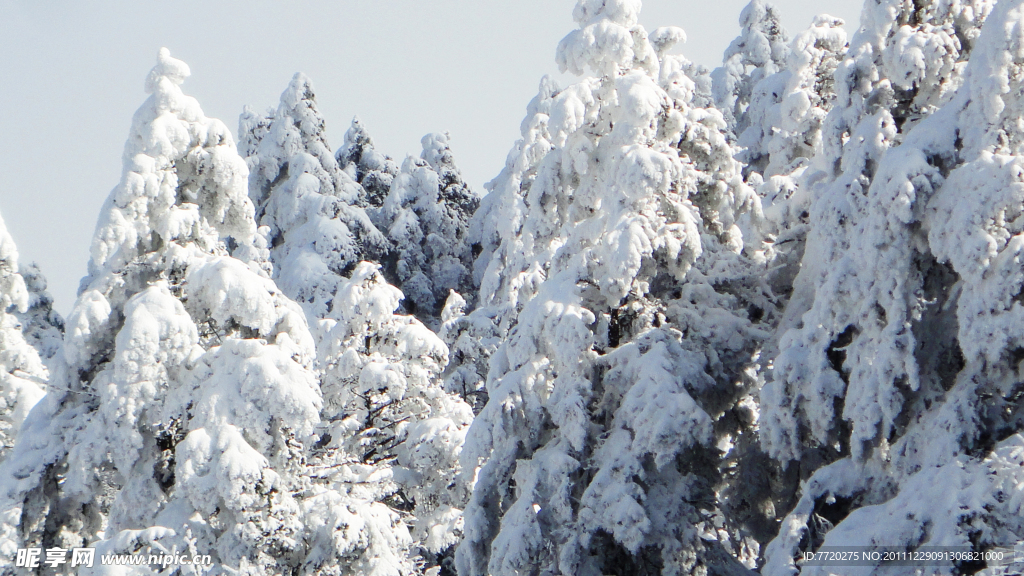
704, 321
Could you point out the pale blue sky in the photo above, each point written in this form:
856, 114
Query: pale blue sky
73, 75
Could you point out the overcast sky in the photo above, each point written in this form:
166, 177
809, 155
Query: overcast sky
72, 76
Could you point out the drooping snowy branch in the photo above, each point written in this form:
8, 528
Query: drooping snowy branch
611, 259
831, 287
783, 139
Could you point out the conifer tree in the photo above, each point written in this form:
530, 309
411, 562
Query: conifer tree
391, 440
513, 251
391, 436
318, 231
184, 392
782, 140
23, 375
426, 215
898, 397
374, 171
471, 339
518, 226
787, 108
868, 118
42, 326
625, 381
758, 52
883, 86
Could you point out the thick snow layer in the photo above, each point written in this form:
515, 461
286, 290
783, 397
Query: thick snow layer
855, 312
22, 373
391, 426
603, 240
426, 214
312, 209
707, 322
786, 110
913, 326
760, 51
13, 293
374, 171
185, 384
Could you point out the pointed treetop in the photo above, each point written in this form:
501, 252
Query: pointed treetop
622, 12
172, 69
177, 345
764, 40
617, 240
309, 204
757, 53
299, 89
299, 102
373, 170
298, 127
253, 126
427, 215
664, 38
356, 138
183, 182
605, 40
436, 150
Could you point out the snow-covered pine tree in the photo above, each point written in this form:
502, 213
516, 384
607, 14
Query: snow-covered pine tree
471, 340
426, 215
374, 171
22, 373
391, 441
317, 228
787, 109
906, 371
179, 405
759, 51
904, 61
620, 410
42, 326
869, 117
391, 435
782, 136
519, 224
513, 252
